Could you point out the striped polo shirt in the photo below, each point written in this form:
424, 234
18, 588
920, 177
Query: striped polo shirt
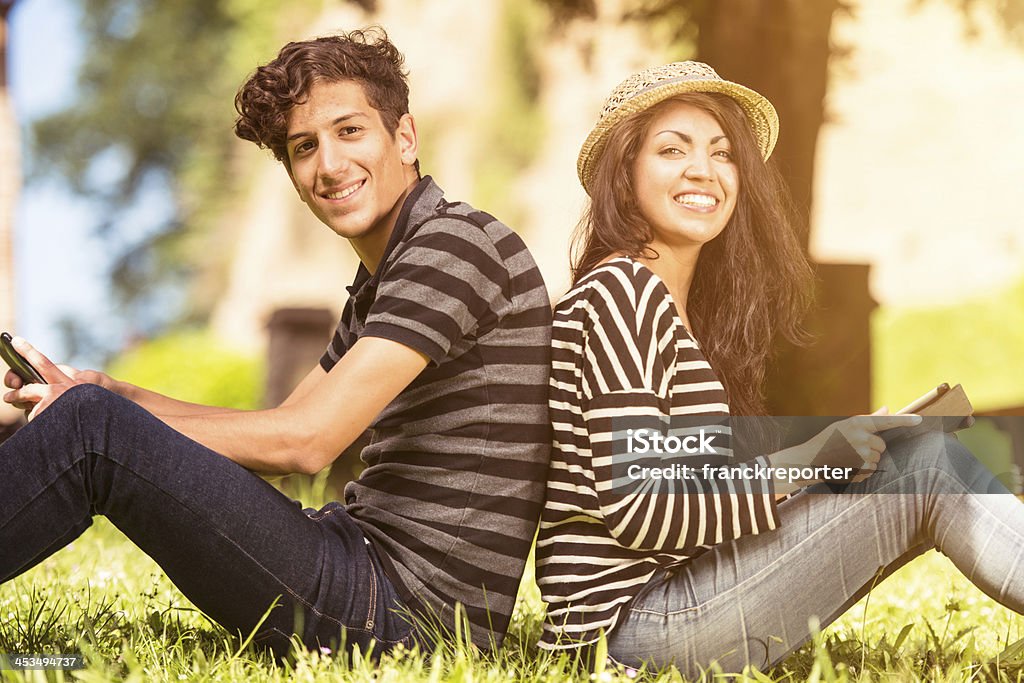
622, 356
454, 478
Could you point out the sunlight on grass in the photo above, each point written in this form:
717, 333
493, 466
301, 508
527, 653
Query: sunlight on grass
107, 596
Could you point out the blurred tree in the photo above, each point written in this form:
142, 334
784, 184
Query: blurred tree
790, 67
782, 49
148, 135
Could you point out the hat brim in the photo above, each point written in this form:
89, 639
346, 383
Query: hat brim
764, 120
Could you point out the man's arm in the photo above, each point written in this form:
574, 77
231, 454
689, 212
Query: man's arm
156, 403
308, 383
325, 413
165, 406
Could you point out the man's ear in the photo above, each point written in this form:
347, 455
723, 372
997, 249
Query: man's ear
408, 143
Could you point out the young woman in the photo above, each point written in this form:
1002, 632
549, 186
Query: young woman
689, 268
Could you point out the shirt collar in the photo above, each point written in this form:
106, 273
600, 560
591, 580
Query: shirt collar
420, 204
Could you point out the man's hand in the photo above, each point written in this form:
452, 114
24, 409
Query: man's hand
34, 398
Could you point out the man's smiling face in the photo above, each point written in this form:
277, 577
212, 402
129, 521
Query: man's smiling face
350, 170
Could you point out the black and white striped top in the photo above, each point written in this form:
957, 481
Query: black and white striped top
621, 356
454, 478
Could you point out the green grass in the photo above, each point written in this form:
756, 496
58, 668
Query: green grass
103, 597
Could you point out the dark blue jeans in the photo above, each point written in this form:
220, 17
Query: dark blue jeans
230, 541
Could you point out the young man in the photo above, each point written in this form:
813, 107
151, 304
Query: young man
442, 349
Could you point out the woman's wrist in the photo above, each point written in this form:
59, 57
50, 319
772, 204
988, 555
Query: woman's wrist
799, 456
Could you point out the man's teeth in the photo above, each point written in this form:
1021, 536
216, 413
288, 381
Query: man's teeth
344, 193
696, 199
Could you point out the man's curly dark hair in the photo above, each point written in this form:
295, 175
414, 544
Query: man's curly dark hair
366, 56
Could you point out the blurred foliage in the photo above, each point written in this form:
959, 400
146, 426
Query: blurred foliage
976, 343
152, 117
193, 366
512, 123
673, 23
1008, 13
994, 449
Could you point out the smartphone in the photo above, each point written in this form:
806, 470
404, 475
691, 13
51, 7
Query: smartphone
22, 368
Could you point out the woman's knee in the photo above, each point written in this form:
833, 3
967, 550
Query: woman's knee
941, 452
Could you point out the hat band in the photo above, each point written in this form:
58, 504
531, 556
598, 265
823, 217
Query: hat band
668, 81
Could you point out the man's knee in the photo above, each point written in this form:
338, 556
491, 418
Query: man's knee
87, 401
87, 393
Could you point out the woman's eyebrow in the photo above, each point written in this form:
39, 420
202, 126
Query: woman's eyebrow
687, 139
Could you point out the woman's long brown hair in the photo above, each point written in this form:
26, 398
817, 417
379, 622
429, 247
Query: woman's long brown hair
752, 282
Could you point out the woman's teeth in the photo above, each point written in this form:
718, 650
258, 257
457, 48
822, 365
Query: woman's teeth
700, 200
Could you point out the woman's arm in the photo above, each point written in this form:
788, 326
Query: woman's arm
621, 363
850, 444
660, 500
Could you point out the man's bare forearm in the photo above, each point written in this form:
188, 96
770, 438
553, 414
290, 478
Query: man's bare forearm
275, 441
320, 419
161, 405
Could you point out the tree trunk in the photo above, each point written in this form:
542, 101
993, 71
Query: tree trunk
781, 49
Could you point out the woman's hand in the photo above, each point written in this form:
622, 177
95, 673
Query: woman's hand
851, 443
854, 442
34, 398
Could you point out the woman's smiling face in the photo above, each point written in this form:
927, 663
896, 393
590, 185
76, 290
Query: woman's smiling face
684, 177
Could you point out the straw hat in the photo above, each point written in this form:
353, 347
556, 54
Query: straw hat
656, 84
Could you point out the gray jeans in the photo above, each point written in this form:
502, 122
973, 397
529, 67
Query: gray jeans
748, 601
